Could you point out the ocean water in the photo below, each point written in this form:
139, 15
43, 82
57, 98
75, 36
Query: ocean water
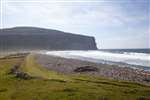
135, 58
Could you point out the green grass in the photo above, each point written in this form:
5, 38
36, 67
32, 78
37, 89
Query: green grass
32, 68
55, 86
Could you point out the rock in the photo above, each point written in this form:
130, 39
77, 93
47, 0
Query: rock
146, 79
13, 69
22, 75
86, 69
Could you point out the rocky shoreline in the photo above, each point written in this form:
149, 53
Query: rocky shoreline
73, 66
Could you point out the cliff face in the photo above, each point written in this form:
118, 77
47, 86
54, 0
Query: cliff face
30, 38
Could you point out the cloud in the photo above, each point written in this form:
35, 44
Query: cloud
107, 21
62, 13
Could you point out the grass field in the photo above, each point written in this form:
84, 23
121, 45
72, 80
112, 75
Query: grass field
49, 85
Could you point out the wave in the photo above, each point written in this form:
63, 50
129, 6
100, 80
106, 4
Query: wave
132, 58
136, 54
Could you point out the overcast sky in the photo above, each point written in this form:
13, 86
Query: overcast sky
114, 23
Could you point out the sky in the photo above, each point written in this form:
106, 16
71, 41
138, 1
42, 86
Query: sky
113, 23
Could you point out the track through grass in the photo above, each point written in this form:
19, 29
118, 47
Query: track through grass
32, 68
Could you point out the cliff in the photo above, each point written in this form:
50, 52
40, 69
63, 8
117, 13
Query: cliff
32, 38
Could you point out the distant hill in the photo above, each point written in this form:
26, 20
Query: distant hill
32, 38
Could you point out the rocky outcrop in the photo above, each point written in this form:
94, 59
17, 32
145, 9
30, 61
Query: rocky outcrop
19, 74
86, 69
31, 38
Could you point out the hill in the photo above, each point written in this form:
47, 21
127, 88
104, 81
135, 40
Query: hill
32, 38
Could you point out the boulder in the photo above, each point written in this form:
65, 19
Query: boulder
86, 69
13, 69
22, 75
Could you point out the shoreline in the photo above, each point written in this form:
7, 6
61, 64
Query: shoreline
67, 76
122, 59
68, 66
90, 59
100, 61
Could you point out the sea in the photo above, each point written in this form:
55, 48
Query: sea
134, 58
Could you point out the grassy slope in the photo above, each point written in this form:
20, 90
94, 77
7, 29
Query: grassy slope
79, 88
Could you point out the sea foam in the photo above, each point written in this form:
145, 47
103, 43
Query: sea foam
141, 59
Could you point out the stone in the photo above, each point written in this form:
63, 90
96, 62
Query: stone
86, 69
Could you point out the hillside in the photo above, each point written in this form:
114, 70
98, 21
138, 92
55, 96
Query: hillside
32, 38
31, 81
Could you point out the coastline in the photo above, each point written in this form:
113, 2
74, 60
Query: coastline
130, 59
59, 77
68, 66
